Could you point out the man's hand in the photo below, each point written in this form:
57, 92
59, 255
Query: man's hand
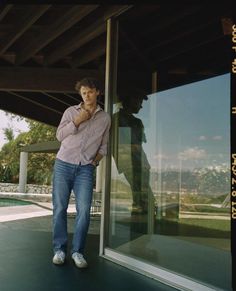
95, 164
81, 117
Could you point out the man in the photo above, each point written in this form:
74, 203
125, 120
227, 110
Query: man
83, 133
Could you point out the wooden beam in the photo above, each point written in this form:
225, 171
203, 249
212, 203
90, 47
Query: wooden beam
141, 55
190, 31
30, 17
72, 97
168, 18
79, 40
71, 17
44, 101
186, 47
8, 57
173, 19
193, 38
16, 105
4, 11
40, 105
42, 147
90, 53
86, 34
43, 79
56, 99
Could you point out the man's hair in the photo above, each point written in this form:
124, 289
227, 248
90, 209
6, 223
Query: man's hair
87, 82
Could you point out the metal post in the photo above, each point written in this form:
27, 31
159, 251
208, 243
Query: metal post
110, 92
150, 194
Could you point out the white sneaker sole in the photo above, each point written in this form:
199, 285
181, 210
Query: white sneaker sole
55, 262
80, 266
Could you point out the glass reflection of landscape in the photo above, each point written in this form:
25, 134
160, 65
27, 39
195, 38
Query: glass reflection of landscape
188, 145
170, 190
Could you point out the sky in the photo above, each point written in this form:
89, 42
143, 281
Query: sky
189, 125
17, 126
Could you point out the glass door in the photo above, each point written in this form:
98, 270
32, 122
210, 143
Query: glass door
170, 195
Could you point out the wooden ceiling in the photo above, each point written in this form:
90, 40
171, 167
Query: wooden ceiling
45, 49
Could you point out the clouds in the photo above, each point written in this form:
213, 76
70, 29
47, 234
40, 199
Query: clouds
190, 153
215, 137
194, 153
202, 137
160, 157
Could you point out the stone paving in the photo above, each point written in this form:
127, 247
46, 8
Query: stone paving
41, 206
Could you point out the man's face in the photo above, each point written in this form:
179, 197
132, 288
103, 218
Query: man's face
89, 95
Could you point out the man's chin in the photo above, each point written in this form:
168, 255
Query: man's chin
89, 103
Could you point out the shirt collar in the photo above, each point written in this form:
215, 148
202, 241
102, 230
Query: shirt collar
81, 103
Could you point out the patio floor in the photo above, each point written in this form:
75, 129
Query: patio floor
26, 263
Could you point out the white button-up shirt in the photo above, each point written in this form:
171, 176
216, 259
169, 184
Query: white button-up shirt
81, 144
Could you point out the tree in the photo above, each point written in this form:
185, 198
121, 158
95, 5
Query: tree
39, 164
9, 134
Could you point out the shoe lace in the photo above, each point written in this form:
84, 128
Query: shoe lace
80, 256
60, 255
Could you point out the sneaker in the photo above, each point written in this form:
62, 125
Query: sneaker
59, 258
79, 260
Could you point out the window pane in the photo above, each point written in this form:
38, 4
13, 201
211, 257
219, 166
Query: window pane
170, 190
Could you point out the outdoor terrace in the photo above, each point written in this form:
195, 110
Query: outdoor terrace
26, 258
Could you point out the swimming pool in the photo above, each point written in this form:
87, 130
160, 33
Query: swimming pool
6, 202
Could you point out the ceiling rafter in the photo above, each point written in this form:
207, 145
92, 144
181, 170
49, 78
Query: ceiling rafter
188, 32
186, 47
93, 51
86, 35
142, 56
5, 10
72, 97
35, 102
19, 106
164, 22
55, 98
30, 17
70, 18
80, 39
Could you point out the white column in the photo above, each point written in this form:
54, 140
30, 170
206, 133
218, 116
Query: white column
99, 173
23, 172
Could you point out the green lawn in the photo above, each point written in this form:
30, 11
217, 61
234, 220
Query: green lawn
216, 224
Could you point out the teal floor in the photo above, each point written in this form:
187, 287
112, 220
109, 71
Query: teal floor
25, 263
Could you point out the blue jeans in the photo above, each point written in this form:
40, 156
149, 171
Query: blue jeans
68, 177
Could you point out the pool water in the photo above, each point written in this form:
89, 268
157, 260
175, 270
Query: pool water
4, 202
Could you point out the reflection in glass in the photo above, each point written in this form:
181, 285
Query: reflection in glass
132, 164
170, 191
